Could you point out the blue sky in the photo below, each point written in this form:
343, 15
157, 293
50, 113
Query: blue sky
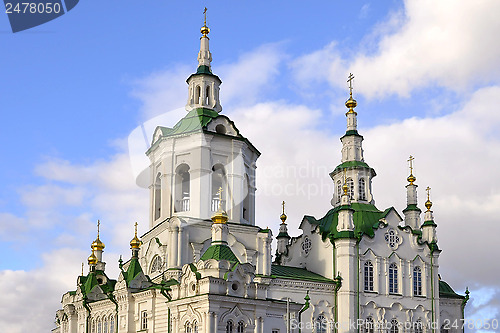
73, 90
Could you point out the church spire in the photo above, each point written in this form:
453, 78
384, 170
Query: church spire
204, 85
283, 237
411, 212
351, 146
204, 56
429, 226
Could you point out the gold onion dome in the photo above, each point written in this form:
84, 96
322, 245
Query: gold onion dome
220, 216
135, 243
351, 104
92, 259
411, 178
97, 245
283, 215
205, 30
428, 205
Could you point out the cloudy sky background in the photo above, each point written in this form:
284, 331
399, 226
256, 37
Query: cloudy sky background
74, 91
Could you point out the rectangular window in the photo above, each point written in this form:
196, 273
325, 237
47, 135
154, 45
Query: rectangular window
368, 276
144, 320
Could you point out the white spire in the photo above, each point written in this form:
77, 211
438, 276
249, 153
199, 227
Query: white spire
204, 56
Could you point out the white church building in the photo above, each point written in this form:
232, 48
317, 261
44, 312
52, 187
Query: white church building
206, 266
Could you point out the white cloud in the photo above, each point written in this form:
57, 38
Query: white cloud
447, 43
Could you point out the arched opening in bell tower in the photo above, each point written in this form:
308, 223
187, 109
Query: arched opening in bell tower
219, 180
182, 188
157, 194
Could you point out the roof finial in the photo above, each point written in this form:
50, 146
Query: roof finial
82, 268
345, 187
205, 30
97, 245
411, 178
283, 215
135, 243
220, 216
428, 203
351, 102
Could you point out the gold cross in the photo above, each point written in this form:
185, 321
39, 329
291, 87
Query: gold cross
411, 163
98, 225
349, 79
136, 224
82, 268
428, 189
283, 204
205, 13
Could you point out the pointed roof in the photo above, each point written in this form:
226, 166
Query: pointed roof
219, 252
134, 269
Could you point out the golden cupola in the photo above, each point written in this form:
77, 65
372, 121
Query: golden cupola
97, 244
135, 243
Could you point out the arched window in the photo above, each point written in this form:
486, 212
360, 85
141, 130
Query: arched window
144, 320
111, 324
93, 326
207, 96
393, 278
218, 181
394, 326
320, 324
195, 326
182, 188
229, 326
369, 325
339, 190
99, 325
368, 276
197, 97
105, 325
350, 186
188, 328
418, 327
246, 201
362, 189
156, 264
157, 189
241, 327
417, 281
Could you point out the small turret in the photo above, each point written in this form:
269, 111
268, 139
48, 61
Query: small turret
204, 85
97, 247
429, 226
412, 212
92, 261
283, 237
135, 244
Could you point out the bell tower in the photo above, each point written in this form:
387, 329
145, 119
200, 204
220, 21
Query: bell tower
200, 154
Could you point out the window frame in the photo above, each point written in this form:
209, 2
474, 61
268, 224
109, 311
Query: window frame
393, 279
369, 279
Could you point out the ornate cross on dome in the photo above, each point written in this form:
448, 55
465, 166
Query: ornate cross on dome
136, 224
411, 163
205, 13
98, 225
349, 79
428, 189
283, 204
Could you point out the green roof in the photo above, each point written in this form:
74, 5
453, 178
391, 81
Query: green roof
219, 252
411, 207
134, 269
351, 132
203, 69
194, 121
366, 218
296, 273
445, 291
89, 282
351, 164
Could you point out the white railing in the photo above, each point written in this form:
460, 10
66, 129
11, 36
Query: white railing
215, 204
183, 205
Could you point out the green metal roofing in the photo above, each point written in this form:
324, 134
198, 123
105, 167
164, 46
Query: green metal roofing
194, 121
445, 291
352, 132
411, 207
203, 69
366, 218
296, 273
283, 235
89, 282
351, 164
134, 269
219, 252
